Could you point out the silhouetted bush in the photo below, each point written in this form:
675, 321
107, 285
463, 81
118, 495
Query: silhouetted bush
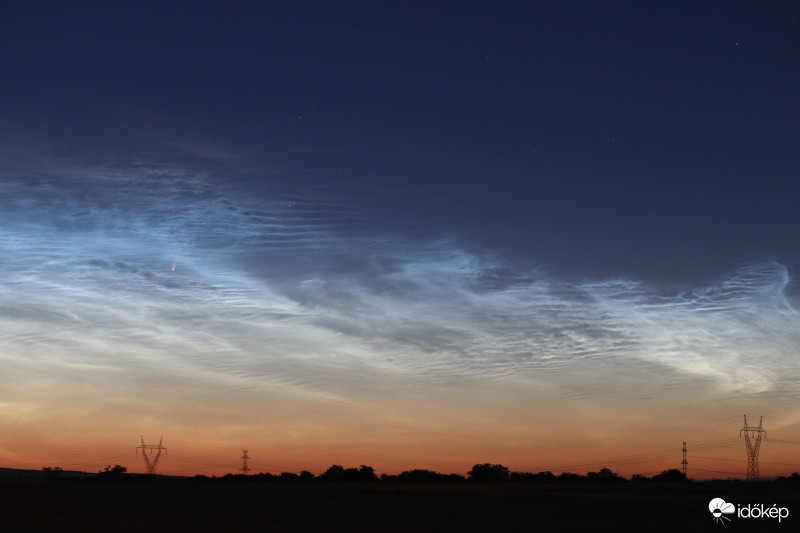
341, 474
52, 472
112, 472
605, 474
671, 475
333, 473
794, 478
569, 476
425, 476
530, 477
488, 473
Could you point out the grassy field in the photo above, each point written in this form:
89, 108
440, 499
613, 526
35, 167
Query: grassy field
172, 505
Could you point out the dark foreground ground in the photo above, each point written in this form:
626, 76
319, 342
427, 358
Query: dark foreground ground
172, 505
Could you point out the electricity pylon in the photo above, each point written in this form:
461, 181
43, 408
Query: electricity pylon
151, 454
684, 462
244, 463
752, 441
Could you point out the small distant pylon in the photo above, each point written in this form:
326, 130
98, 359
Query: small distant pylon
151, 454
752, 441
245, 469
684, 462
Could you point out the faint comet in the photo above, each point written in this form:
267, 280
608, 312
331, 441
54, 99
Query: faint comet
174, 263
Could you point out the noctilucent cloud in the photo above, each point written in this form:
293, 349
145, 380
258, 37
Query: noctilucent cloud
552, 235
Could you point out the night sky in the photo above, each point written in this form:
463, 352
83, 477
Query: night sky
404, 234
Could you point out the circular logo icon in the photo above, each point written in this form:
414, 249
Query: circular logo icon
719, 508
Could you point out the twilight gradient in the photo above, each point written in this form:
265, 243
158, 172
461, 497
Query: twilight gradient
155, 299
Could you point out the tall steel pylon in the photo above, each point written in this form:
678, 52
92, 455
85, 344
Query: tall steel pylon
752, 441
151, 454
684, 462
245, 469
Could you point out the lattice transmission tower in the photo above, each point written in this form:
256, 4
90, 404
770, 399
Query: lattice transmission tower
684, 463
752, 441
245, 469
151, 454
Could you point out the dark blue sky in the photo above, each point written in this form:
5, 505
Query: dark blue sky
591, 139
653, 140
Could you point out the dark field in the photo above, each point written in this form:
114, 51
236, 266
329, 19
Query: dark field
172, 505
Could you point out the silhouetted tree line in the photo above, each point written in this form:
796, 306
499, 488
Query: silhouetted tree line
339, 473
495, 473
479, 473
794, 478
422, 476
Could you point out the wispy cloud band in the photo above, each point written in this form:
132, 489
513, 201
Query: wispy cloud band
264, 291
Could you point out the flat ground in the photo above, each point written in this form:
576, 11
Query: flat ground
173, 505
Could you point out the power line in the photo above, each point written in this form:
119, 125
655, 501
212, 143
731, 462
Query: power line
716, 458
250, 464
172, 472
784, 464
286, 468
716, 444
718, 471
784, 441
99, 461
739, 461
190, 460
645, 457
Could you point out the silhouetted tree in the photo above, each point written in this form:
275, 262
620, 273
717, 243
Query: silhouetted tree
339, 473
424, 476
305, 475
366, 473
333, 473
418, 475
52, 472
673, 474
112, 472
529, 477
638, 478
605, 474
487, 472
